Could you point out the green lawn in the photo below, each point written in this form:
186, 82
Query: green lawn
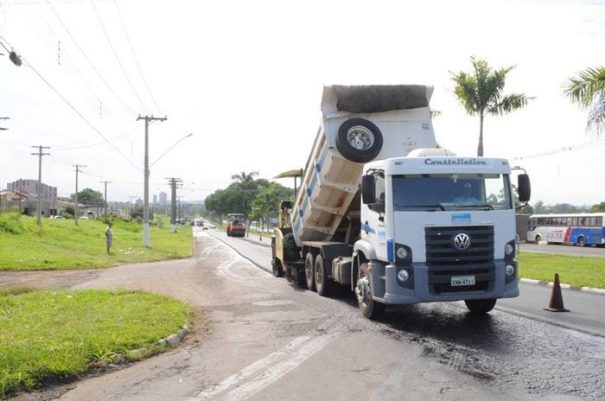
52, 335
60, 244
574, 270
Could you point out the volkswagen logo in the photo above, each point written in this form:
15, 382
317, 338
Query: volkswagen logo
462, 241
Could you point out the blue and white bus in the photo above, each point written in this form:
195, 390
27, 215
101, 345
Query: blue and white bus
570, 229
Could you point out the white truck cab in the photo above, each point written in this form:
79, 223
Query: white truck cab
382, 209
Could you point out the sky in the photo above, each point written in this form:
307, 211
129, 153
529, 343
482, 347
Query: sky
246, 78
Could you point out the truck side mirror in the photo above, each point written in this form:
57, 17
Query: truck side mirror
524, 188
368, 189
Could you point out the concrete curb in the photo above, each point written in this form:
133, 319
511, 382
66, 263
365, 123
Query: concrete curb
140, 353
566, 286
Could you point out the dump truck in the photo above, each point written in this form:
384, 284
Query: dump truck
385, 211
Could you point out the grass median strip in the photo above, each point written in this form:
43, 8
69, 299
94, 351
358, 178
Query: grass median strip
580, 271
48, 336
60, 244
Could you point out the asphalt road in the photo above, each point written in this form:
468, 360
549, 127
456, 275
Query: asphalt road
519, 342
257, 337
586, 309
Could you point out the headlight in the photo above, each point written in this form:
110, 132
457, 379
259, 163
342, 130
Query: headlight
402, 253
509, 270
509, 249
403, 275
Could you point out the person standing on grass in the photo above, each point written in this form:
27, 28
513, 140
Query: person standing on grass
108, 237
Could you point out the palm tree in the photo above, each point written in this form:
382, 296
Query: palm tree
480, 92
244, 177
588, 90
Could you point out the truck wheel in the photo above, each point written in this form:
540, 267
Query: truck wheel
323, 283
310, 271
291, 252
480, 305
278, 269
359, 140
369, 308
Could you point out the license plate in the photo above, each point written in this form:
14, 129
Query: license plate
459, 281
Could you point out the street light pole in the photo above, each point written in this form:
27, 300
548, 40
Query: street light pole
146, 177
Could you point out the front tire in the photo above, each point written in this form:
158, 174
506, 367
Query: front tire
369, 308
310, 271
291, 251
480, 306
537, 239
581, 241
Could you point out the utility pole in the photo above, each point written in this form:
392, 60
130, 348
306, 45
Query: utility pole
105, 196
77, 166
132, 202
173, 184
146, 177
40, 154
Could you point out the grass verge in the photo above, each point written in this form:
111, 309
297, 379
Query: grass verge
53, 336
574, 270
60, 244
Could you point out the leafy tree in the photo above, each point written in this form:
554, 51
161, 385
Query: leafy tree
588, 90
268, 199
598, 208
243, 177
480, 93
236, 198
527, 209
539, 207
89, 197
68, 211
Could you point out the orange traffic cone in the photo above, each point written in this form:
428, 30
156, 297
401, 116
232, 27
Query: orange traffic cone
556, 297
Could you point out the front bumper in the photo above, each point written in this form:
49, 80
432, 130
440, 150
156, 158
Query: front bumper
428, 286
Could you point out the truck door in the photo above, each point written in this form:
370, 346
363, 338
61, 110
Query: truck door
372, 224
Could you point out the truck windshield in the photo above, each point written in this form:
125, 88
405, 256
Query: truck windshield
451, 192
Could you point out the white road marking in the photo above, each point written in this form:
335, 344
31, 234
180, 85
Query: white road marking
250, 370
291, 355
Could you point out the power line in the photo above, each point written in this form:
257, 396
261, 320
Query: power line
571, 148
45, 31
134, 56
116, 55
76, 110
90, 63
82, 117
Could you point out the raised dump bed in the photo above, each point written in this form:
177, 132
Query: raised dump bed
359, 124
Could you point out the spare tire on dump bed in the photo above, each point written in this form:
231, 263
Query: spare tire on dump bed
359, 140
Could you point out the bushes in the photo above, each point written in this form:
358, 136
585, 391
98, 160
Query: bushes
11, 223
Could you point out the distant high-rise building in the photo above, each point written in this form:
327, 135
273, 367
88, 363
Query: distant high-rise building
155, 199
163, 198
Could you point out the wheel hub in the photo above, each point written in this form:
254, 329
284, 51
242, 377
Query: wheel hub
362, 290
360, 137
